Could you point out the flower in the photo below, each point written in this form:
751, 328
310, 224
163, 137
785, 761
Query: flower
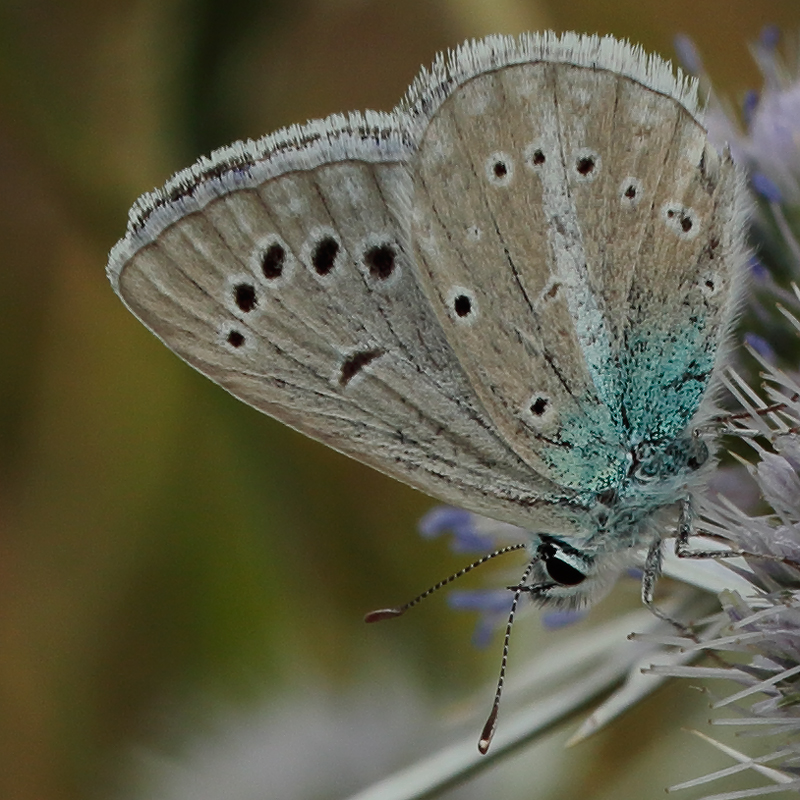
753, 639
752, 636
756, 640
769, 145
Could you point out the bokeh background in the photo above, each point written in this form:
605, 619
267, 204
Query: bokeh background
182, 580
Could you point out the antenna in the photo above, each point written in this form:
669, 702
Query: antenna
397, 611
491, 723
388, 613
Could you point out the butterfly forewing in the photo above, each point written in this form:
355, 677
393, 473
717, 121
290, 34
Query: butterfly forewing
300, 296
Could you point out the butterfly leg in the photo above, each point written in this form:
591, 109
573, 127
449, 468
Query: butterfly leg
652, 569
684, 550
685, 529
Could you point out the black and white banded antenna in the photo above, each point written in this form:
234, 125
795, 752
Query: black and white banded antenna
396, 611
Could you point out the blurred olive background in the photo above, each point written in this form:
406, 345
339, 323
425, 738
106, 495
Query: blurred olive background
172, 563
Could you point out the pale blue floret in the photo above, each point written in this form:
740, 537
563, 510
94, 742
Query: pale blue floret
493, 606
470, 533
761, 346
688, 54
758, 270
770, 36
466, 538
774, 127
442, 518
766, 187
562, 618
770, 145
749, 105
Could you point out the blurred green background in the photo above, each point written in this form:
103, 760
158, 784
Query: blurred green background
175, 567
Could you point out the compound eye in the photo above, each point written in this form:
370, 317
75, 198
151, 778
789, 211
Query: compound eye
561, 571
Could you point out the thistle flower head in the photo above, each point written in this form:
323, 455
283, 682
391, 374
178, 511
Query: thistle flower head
764, 137
754, 638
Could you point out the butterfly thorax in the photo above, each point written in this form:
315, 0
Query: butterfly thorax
624, 521
658, 475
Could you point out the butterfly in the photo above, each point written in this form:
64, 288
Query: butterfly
514, 292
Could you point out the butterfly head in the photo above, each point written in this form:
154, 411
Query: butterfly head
574, 571
571, 577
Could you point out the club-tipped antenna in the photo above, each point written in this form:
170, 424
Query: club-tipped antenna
491, 723
396, 611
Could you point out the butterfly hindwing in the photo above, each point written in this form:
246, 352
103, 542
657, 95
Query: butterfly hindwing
584, 273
